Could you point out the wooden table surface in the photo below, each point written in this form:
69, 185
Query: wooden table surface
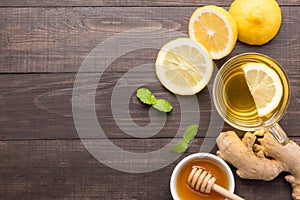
43, 43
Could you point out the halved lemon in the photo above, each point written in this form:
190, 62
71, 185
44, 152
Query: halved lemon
183, 66
265, 86
215, 28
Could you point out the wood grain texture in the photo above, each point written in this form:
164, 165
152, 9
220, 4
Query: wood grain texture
64, 169
38, 106
42, 45
59, 39
125, 3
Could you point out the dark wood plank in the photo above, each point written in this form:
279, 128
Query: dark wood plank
38, 106
64, 169
144, 3
41, 103
42, 45
59, 39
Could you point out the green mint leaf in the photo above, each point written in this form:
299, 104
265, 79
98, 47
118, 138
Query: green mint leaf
145, 96
190, 133
162, 105
180, 147
188, 136
148, 98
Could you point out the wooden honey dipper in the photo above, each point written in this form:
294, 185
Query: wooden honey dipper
203, 181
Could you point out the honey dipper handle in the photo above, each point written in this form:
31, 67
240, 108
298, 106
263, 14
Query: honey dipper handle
225, 192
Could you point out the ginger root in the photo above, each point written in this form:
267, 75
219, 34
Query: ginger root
261, 159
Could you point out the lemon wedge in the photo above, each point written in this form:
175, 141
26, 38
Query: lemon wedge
215, 28
184, 66
265, 87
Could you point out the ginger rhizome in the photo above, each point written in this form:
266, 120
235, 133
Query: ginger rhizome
261, 158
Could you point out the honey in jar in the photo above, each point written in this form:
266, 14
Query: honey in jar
185, 192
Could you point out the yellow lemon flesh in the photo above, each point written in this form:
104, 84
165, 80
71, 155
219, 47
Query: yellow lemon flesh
183, 66
265, 87
258, 21
215, 28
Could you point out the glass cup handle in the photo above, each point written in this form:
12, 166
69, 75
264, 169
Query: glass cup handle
279, 134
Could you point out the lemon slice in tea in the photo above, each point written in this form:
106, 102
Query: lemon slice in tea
184, 66
265, 87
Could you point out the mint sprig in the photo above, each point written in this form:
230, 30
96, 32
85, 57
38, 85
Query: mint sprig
179, 147
189, 134
162, 105
146, 97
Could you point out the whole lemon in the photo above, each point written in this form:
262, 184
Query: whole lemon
258, 21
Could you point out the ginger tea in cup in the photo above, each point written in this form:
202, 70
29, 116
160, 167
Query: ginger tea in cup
251, 92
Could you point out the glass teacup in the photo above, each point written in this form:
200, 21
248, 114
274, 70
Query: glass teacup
234, 102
